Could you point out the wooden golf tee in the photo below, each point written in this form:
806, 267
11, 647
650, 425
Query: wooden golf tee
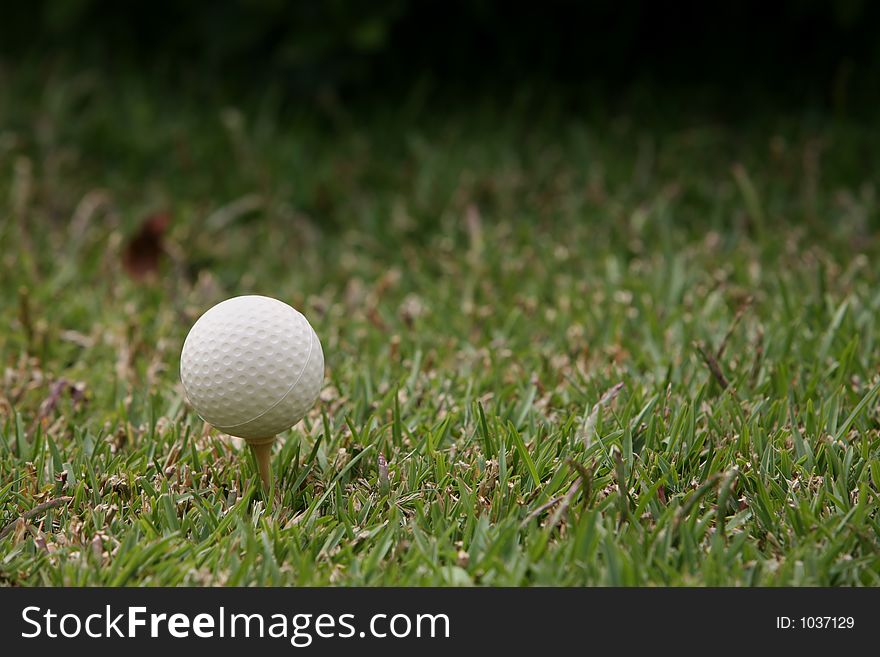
263, 453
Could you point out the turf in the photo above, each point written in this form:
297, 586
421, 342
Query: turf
561, 349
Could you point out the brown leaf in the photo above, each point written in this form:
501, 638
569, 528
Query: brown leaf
143, 253
52, 400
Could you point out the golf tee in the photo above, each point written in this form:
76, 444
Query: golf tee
262, 448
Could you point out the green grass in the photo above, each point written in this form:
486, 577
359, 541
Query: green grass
512, 307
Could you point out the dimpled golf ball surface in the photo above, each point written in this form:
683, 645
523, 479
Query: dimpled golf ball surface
252, 366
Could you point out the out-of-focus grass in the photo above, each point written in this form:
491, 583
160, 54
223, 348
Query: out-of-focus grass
512, 306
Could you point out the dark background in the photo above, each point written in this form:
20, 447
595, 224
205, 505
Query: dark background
822, 53
591, 617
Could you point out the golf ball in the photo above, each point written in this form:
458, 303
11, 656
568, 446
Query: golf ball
252, 366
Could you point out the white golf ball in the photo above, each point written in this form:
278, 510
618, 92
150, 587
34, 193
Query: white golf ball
252, 366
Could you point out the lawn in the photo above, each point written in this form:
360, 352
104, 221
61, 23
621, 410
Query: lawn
562, 347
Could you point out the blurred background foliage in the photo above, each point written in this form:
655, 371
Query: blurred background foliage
797, 51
